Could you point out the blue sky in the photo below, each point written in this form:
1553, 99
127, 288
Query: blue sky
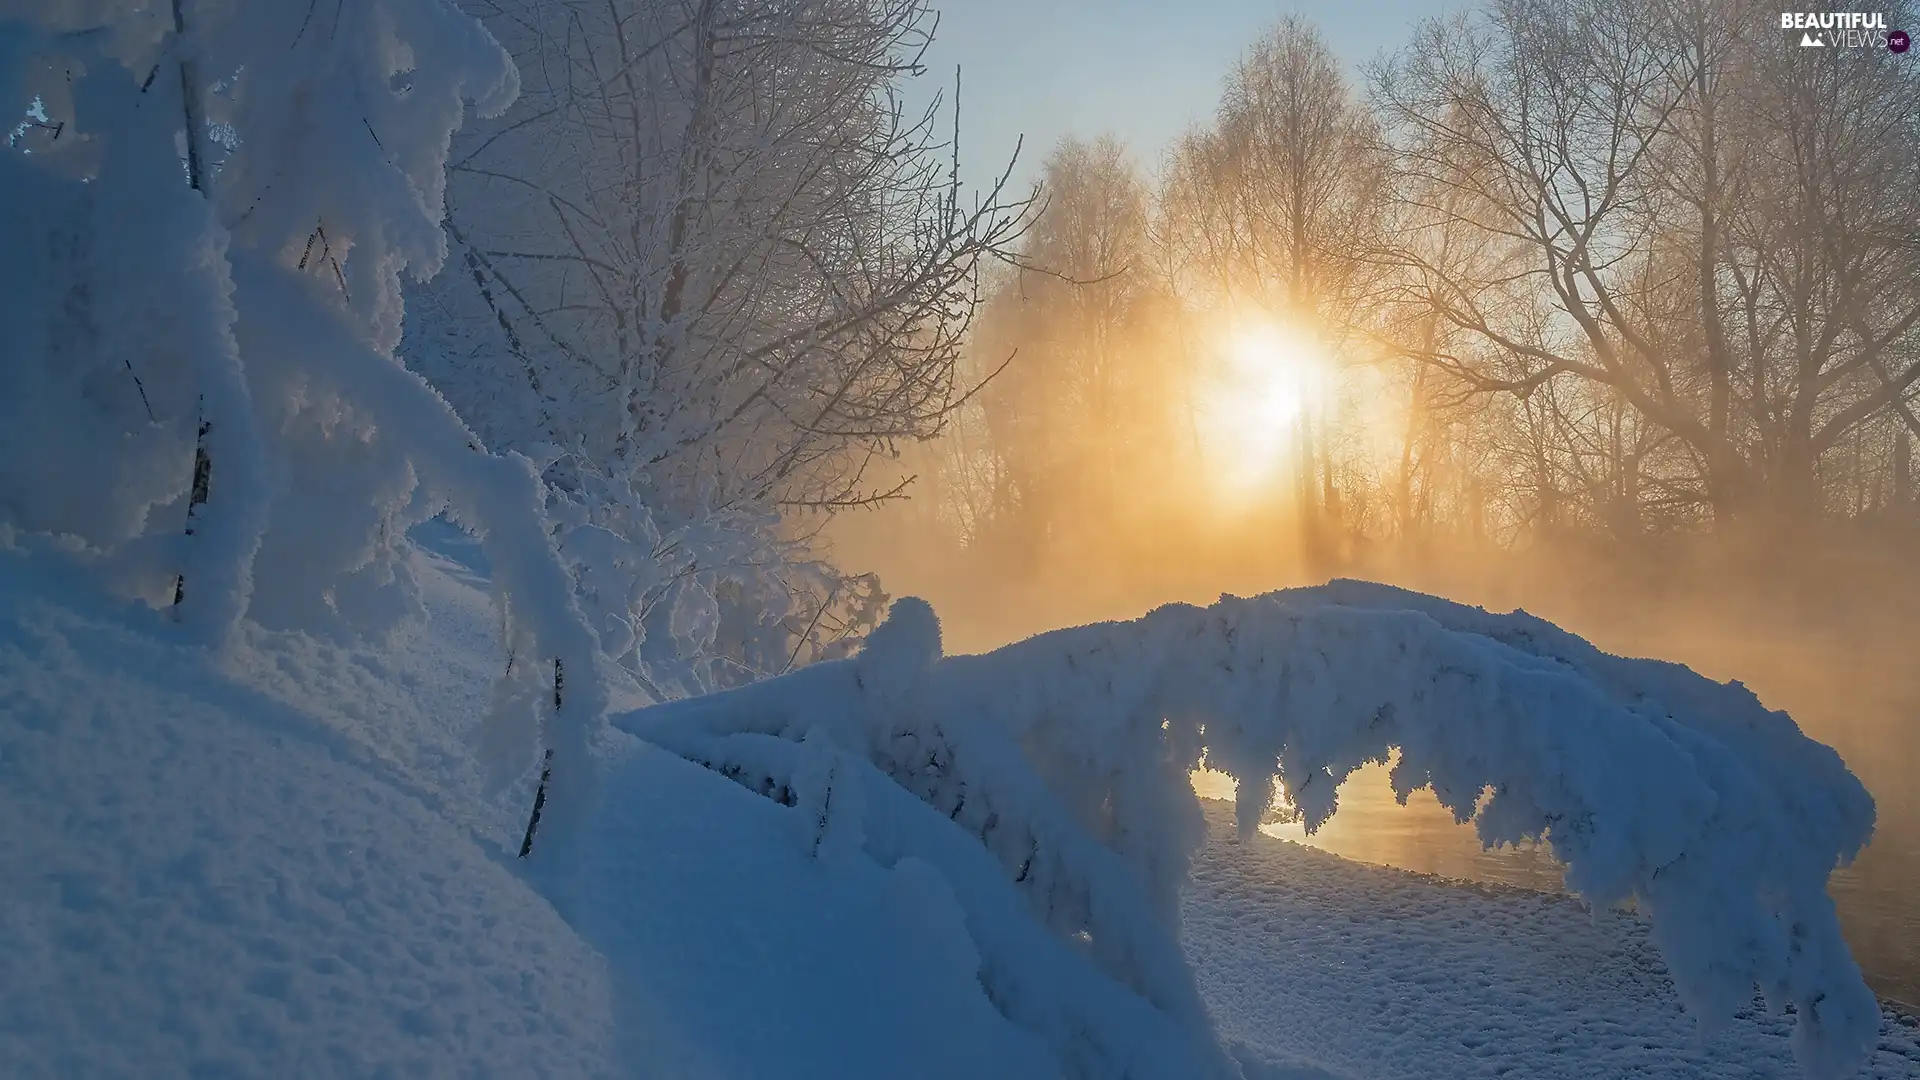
1140, 69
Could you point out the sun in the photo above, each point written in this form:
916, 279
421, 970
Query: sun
1263, 380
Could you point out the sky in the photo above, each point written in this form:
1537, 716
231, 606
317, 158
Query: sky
1143, 70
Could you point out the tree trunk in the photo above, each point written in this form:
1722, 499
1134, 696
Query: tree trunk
1902, 500
196, 178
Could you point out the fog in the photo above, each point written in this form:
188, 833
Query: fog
1428, 324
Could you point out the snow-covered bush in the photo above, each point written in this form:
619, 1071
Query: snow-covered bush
691, 602
1058, 768
208, 219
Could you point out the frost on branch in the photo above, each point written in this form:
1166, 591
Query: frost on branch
313, 146
253, 291
115, 292
1066, 758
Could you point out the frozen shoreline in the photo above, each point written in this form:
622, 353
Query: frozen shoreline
1370, 971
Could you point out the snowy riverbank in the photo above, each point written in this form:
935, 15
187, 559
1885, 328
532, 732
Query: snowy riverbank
286, 863
1380, 973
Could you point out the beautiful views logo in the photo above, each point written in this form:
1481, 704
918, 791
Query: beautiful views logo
1844, 29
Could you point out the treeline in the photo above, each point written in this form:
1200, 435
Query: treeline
1583, 269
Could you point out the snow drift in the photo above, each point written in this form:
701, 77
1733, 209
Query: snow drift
1065, 761
282, 860
275, 862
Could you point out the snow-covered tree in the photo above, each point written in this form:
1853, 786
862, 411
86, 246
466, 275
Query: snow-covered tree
711, 271
1057, 770
207, 219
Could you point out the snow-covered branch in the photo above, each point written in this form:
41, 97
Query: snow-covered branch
1067, 756
247, 302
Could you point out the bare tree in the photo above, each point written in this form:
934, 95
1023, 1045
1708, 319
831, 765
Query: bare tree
1303, 174
1285, 193
714, 260
1704, 224
719, 242
1068, 415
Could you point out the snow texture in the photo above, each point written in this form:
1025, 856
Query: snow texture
1067, 757
1390, 975
495, 497
274, 863
116, 295
282, 860
739, 955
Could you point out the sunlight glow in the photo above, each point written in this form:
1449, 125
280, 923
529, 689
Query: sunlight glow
1265, 379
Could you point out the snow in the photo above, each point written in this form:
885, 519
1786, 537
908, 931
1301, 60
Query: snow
1390, 975
115, 292
414, 453
248, 301
266, 869
742, 956
295, 851
1067, 757
286, 858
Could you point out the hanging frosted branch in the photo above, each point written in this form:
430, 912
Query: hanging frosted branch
1067, 758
